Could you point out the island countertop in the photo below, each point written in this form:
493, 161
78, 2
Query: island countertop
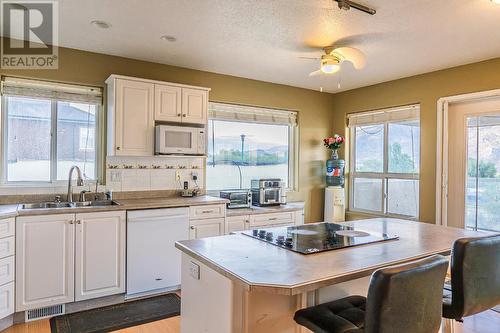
260, 266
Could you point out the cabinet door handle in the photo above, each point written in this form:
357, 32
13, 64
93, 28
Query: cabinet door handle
193, 227
273, 218
184, 115
178, 115
71, 222
78, 222
247, 221
117, 148
207, 211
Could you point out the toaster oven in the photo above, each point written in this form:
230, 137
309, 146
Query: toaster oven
268, 192
237, 198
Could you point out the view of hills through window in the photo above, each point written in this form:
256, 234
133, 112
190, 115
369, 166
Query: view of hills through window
239, 152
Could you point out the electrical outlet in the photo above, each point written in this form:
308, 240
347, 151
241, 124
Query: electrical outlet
194, 270
115, 176
177, 175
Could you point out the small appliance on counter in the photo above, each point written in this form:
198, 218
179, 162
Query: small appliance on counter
189, 193
237, 198
268, 192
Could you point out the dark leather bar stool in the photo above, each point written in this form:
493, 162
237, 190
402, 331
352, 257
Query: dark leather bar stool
475, 277
404, 298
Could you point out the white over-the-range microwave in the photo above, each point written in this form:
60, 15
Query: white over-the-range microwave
180, 140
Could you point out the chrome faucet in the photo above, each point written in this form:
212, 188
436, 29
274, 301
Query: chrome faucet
79, 181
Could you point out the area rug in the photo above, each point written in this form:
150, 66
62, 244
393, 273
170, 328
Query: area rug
115, 317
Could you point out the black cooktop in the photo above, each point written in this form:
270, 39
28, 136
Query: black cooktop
317, 237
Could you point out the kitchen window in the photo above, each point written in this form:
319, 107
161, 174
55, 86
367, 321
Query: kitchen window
47, 128
246, 143
385, 159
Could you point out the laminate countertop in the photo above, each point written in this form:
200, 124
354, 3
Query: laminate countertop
260, 266
289, 207
124, 204
7, 211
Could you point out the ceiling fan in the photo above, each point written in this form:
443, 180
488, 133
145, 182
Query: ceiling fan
335, 56
347, 4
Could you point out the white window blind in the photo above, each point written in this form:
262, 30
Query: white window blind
48, 90
234, 112
410, 112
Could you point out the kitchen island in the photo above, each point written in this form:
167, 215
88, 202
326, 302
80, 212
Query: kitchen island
236, 283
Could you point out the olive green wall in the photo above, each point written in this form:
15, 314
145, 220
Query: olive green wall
315, 108
425, 89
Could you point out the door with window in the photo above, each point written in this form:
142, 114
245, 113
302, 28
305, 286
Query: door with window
384, 163
473, 195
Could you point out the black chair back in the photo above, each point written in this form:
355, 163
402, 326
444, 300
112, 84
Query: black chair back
475, 276
406, 298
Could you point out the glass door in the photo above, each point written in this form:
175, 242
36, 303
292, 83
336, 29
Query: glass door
482, 199
473, 177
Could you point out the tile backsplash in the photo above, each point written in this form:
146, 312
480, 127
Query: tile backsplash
124, 174
152, 173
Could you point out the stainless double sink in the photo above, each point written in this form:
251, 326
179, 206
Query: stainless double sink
79, 204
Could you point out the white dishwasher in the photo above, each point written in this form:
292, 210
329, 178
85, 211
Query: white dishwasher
153, 262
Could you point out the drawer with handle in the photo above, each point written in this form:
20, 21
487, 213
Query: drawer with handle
7, 266
206, 212
273, 219
7, 227
7, 247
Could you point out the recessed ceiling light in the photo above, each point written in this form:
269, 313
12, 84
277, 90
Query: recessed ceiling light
168, 38
101, 24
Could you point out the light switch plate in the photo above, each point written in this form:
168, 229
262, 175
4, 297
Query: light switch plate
194, 270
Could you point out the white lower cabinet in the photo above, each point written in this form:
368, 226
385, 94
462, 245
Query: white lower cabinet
236, 223
99, 254
268, 220
7, 266
46, 257
44, 260
206, 228
6, 299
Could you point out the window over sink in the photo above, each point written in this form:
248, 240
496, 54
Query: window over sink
47, 128
246, 143
385, 159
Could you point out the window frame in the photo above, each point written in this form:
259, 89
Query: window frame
53, 146
383, 176
293, 154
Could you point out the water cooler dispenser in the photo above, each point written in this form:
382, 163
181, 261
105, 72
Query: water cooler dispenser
334, 193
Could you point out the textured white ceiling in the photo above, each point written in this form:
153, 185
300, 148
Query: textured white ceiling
262, 39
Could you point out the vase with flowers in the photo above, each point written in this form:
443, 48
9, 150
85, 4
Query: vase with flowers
334, 166
334, 143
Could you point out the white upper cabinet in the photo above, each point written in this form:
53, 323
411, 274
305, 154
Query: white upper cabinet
135, 104
130, 113
168, 101
194, 106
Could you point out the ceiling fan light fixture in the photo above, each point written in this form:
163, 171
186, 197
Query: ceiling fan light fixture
329, 65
